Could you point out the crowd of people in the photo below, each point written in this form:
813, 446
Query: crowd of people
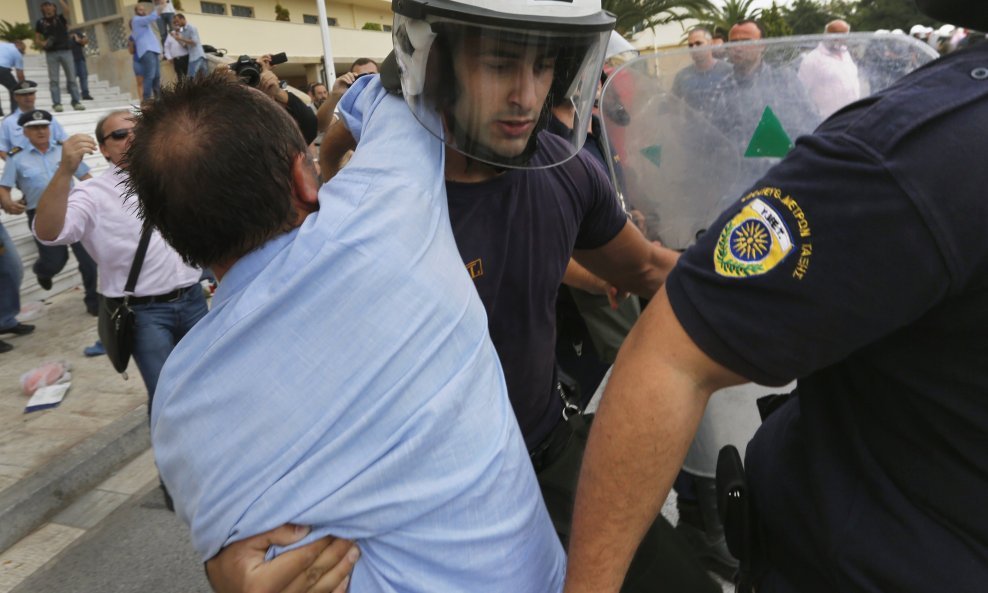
393, 402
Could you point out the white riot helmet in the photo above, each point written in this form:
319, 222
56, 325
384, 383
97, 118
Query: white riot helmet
493, 69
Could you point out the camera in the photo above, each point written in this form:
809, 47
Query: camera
248, 69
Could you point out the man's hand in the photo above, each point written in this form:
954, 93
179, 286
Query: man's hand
271, 86
341, 84
75, 149
7, 204
324, 566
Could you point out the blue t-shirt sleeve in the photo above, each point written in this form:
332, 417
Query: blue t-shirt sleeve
82, 170
604, 217
824, 255
58, 133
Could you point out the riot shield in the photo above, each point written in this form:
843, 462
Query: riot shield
692, 129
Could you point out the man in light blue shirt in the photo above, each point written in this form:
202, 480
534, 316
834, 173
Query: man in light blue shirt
147, 47
188, 36
11, 67
11, 133
30, 170
344, 378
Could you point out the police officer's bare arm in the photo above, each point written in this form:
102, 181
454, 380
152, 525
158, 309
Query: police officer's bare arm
646, 421
630, 262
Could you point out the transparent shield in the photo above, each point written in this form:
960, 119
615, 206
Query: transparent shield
692, 129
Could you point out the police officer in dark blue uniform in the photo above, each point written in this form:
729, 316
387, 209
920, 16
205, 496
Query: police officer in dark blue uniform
859, 266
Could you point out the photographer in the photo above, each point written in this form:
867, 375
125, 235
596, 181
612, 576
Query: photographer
258, 73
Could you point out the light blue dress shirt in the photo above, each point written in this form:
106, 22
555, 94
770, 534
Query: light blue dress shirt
31, 170
192, 34
12, 135
10, 57
344, 379
145, 32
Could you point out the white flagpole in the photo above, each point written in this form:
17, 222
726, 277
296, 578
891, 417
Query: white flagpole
327, 50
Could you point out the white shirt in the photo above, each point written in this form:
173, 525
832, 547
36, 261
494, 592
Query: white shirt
830, 78
109, 229
169, 7
174, 49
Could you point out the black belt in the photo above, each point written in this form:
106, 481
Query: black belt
543, 454
162, 298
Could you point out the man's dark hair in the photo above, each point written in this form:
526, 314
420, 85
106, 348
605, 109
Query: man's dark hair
761, 28
178, 14
313, 85
363, 61
211, 165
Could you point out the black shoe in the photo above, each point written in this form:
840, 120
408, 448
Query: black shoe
5, 347
44, 283
93, 310
88, 97
21, 329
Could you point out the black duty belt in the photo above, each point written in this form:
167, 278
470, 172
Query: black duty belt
169, 297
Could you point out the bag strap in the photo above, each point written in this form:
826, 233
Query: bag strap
135, 266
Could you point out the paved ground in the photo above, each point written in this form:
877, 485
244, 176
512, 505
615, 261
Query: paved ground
98, 396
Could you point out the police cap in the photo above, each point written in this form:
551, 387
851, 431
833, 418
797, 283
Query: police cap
36, 117
26, 87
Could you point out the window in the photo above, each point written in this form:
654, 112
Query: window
212, 7
97, 9
244, 11
311, 19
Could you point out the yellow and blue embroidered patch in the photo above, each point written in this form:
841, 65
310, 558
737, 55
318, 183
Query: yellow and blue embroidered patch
753, 242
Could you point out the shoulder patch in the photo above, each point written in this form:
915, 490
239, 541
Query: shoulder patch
14, 150
753, 242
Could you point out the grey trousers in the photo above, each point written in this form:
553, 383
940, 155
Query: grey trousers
62, 58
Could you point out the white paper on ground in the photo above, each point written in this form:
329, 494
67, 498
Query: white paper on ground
47, 397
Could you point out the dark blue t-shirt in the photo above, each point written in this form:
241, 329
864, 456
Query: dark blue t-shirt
516, 233
859, 265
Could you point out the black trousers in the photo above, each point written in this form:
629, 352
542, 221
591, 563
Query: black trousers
7, 79
663, 561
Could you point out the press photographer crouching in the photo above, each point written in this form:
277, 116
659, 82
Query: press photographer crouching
258, 73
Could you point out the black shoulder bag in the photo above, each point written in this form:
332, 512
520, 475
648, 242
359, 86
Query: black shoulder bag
116, 318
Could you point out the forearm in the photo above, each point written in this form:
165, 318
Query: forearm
630, 262
49, 218
577, 276
335, 144
326, 110
646, 421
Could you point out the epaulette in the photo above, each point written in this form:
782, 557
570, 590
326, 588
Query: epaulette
14, 150
58, 143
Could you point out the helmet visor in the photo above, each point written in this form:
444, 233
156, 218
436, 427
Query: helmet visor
495, 89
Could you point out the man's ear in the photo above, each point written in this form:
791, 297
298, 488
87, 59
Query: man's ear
304, 181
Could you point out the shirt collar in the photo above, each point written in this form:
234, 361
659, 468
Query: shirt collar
248, 266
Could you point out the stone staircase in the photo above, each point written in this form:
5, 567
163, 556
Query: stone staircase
106, 98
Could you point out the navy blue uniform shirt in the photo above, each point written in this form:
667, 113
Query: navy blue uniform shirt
859, 265
516, 233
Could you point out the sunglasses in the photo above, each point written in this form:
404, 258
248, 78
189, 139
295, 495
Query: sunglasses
120, 134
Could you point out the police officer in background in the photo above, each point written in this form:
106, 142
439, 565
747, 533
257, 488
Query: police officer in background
873, 476
30, 169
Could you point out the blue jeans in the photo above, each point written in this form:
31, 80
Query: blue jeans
195, 66
11, 272
52, 259
151, 66
62, 58
83, 73
157, 329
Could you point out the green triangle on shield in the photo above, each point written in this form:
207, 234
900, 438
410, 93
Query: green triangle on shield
653, 153
769, 139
